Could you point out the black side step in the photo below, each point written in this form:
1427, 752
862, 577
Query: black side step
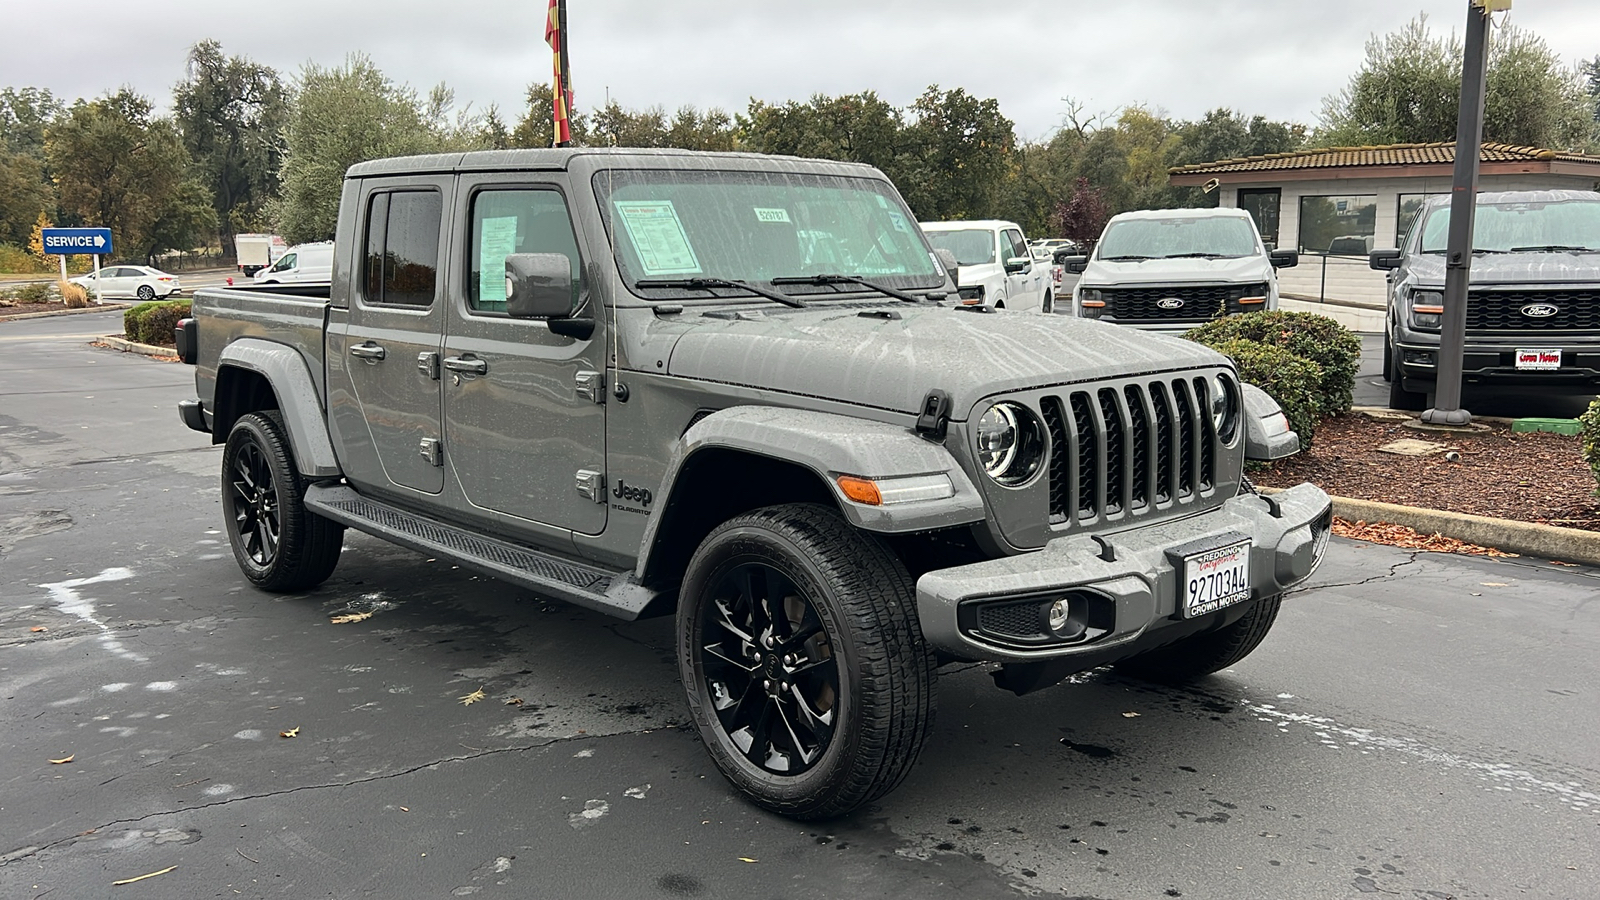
612, 592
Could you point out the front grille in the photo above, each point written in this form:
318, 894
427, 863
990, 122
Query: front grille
1113, 451
1576, 310
1200, 302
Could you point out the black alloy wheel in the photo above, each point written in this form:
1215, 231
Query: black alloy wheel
802, 660
769, 668
279, 544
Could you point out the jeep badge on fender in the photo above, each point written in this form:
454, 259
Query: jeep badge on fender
625, 491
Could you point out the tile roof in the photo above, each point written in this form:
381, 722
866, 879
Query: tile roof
1388, 155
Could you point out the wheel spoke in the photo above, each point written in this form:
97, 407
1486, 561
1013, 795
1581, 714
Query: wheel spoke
807, 756
819, 724
752, 586
805, 632
761, 735
725, 620
776, 590
715, 652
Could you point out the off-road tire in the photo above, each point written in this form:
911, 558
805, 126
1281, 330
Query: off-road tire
146, 293
307, 546
866, 603
1212, 651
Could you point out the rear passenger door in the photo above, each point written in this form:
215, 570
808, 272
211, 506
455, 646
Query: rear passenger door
383, 373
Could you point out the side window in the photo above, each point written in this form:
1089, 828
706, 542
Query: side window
516, 221
402, 248
1019, 247
285, 264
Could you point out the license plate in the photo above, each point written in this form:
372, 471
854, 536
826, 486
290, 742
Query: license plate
1215, 578
1538, 359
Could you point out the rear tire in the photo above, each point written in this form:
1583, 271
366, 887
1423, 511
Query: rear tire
1208, 652
805, 669
146, 293
280, 545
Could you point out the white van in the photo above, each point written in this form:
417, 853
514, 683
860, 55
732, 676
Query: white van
995, 267
1172, 269
303, 263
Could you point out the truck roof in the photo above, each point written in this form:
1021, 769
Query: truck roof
599, 157
1491, 197
1204, 213
958, 224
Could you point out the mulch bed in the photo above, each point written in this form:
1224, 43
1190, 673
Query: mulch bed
1527, 477
31, 308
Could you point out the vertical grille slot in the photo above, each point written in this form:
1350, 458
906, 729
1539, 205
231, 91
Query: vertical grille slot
1208, 433
1186, 437
1115, 457
1088, 441
1139, 445
1166, 477
1062, 457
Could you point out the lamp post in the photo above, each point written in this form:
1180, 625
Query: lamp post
1446, 408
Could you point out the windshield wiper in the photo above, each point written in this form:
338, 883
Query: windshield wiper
1554, 248
1125, 258
1197, 256
846, 279
707, 284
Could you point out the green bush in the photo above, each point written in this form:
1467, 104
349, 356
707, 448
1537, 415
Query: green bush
1591, 438
32, 293
1293, 381
155, 326
1334, 348
131, 317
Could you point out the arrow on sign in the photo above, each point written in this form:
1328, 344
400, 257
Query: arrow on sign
99, 240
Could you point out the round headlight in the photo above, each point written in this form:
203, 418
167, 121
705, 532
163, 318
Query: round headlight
1010, 443
1224, 407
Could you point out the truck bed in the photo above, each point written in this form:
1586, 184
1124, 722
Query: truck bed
292, 314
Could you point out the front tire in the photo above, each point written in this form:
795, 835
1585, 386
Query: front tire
805, 669
1049, 304
1208, 652
280, 545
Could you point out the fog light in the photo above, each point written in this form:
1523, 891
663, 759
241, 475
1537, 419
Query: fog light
1418, 357
1058, 614
1067, 618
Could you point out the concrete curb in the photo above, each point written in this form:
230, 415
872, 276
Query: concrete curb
117, 342
1573, 545
107, 307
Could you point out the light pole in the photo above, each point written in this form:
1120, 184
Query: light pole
1446, 408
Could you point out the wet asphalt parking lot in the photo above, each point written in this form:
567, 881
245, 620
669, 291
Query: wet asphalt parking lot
1416, 725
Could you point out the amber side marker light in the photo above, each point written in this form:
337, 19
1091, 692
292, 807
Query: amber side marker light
1093, 304
1428, 310
1252, 300
899, 489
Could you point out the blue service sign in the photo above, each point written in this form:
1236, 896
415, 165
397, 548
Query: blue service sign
66, 241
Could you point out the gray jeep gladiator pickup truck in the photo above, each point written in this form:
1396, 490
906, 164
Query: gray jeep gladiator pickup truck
741, 389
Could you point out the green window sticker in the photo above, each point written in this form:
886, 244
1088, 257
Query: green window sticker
771, 215
498, 239
658, 237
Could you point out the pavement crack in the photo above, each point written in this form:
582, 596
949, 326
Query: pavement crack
1413, 557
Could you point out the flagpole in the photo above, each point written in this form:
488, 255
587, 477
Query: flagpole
566, 76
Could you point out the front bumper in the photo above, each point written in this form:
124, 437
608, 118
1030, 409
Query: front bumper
1494, 362
1132, 597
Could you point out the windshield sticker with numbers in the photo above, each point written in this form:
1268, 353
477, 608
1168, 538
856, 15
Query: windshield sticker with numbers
658, 237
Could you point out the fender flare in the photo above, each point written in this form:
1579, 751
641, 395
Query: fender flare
285, 370
830, 445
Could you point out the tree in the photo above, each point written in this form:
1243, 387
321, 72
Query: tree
1226, 134
1591, 77
536, 128
25, 115
1083, 215
24, 196
118, 167
231, 112
1408, 91
960, 151
341, 116
850, 128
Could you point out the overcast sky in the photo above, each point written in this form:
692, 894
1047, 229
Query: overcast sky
1277, 58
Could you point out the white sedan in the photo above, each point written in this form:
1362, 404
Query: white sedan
140, 282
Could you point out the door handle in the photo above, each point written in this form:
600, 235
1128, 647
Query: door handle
469, 364
369, 351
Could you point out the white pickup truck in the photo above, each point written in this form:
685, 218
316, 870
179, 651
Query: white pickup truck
996, 268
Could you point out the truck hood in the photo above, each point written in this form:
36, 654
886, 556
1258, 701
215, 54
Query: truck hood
843, 355
1241, 270
1512, 268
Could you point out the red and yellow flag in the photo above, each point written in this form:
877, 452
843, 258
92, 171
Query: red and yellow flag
555, 34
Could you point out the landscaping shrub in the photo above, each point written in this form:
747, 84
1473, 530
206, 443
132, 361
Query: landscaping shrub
1334, 348
32, 293
1293, 381
156, 325
73, 296
1591, 439
131, 317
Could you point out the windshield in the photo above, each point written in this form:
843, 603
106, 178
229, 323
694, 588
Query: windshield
1531, 225
972, 247
1159, 238
675, 225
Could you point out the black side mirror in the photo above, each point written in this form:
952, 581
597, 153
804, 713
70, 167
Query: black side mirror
1075, 264
1284, 259
1384, 259
538, 286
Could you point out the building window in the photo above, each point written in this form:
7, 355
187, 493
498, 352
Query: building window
1410, 205
1262, 205
1338, 224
